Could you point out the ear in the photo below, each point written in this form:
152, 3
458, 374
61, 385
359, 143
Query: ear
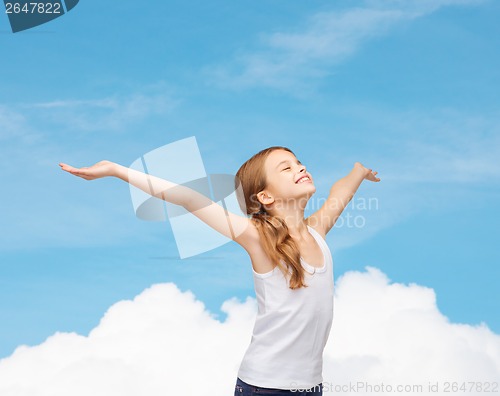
265, 198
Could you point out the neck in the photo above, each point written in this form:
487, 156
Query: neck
294, 219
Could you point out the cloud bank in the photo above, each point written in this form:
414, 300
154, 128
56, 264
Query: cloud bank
165, 342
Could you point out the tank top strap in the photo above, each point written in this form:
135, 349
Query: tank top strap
323, 246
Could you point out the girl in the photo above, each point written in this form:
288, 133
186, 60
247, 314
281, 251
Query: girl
291, 262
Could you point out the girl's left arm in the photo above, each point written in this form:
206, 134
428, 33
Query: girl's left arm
340, 195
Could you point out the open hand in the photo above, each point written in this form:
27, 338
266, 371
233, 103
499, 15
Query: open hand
96, 171
369, 174
372, 176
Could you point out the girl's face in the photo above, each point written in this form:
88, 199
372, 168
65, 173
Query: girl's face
287, 179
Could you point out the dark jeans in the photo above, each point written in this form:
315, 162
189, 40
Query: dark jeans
243, 389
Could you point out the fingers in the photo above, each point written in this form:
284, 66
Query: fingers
67, 168
372, 176
72, 170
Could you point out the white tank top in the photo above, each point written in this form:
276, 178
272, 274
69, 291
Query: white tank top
291, 328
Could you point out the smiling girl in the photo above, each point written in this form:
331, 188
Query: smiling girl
291, 263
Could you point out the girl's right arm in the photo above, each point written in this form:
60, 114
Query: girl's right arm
340, 195
238, 228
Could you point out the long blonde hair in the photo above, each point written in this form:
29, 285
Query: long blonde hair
273, 231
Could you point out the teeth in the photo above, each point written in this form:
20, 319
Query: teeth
305, 178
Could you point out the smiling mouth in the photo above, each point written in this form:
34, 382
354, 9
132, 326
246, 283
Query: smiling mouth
303, 179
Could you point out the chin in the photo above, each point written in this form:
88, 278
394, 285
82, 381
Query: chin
310, 190
311, 187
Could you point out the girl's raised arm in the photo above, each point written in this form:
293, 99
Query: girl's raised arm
238, 228
340, 195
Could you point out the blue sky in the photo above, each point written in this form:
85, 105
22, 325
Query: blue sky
409, 89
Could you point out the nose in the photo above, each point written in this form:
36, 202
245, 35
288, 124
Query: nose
302, 168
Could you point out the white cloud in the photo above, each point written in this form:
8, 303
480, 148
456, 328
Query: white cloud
14, 125
287, 58
108, 113
398, 336
10, 122
166, 342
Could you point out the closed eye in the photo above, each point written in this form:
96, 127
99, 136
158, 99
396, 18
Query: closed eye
287, 168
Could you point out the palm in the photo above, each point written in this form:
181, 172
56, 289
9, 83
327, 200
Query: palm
96, 171
372, 176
